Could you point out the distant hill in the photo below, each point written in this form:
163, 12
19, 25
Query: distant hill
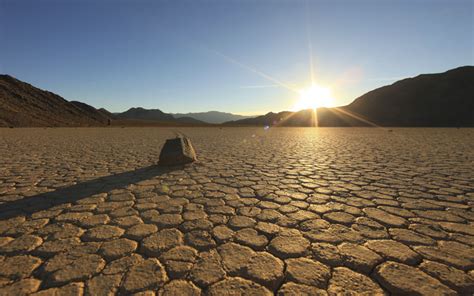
212, 116
100, 115
22, 104
443, 99
285, 118
106, 113
139, 113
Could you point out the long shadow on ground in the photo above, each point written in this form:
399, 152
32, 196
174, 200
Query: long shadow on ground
44, 201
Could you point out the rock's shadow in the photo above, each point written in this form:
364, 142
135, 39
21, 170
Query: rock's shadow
44, 201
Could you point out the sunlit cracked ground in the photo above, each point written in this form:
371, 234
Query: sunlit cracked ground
283, 211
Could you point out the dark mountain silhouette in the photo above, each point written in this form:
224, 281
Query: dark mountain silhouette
138, 113
215, 117
284, 118
190, 120
22, 104
106, 113
443, 99
93, 112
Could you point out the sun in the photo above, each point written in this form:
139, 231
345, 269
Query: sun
314, 97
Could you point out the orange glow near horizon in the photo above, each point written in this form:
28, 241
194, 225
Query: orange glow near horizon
314, 97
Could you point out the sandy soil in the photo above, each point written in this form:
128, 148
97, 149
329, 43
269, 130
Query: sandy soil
283, 210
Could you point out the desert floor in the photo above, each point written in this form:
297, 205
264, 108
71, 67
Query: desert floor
284, 211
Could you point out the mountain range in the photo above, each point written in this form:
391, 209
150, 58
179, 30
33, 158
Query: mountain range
215, 117
139, 113
442, 99
22, 104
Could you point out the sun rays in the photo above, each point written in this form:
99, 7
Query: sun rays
311, 98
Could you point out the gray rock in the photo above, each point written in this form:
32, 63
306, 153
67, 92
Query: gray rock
177, 151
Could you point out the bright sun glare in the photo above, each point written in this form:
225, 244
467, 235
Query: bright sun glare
314, 97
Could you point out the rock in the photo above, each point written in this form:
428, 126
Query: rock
395, 251
326, 253
145, 293
179, 261
140, 231
308, 272
22, 244
237, 222
268, 229
127, 221
73, 217
237, 286
177, 151
432, 230
458, 227
149, 274
117, 248
401, 279
336, 233
178, 269
52, 247
18, 266
73, 289
315, 224
102, 232
163, 240
359, 258
27, 227
207, 270
447, 257
179, 287
410, 237
199, 224
180, 253
370, 228
235, 257
167, 220
347, 282
265, 269
60, 231
5, 240
339, 217
95, 220
251, 238
288, 246
66, 267
22, 287
222, 233
385, 218
123, 264
200, 239
103, 285
453, 277
294, 289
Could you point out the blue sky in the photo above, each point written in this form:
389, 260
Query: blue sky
182, 56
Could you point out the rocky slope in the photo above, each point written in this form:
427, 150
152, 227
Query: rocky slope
22, 104
443, 99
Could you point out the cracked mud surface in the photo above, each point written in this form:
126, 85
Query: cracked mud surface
286, 211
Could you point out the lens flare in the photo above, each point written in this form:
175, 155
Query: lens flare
314, 97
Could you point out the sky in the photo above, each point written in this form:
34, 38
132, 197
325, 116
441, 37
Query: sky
245, 57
